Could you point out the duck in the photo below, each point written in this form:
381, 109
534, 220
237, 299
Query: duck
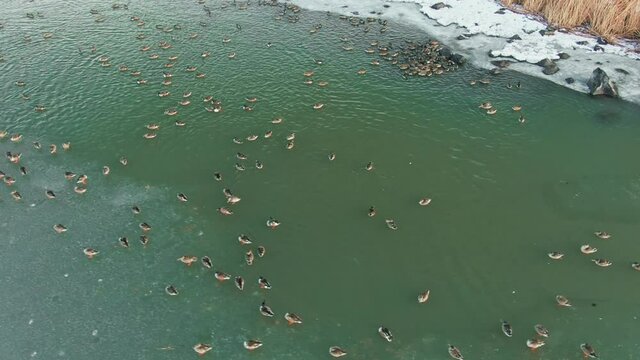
224, 211
149, 136
182, 197
50, 194
291, 136
82, 179
541, 330
239, 167
506, 328
80, 190
66, 146
455, 353
562, 301
290, 145
424, 297
106, 170
164, 93
385, 333
179, 123
371, 212
424, 201
3, 134
171, 290
516, 108
308, 73
635, 266
247, 108
135, 209
20, 83
337, 352
252, 344
206, 262
308, 82
248, 257
154, 56
555, 255
186, 95
277, 120
265, 310
202, 349
323, 83
492, 111
233, 199
533, 344
369, 166
171, 112
361, 72
141, 82
191, 68
59, 228
200, 75
484, 81
292, 319
90, 252
587, 249
272, 223
232, 55
472, 82
144, 240
69, 175
124, 161
53, 149
239, 281
237, 141
16, 138
588, 351
318, 106
375, 62
16, 195
241, 156
261, 251
152, 126
391, 224
187, 259
40, 108
36, 145
221, 276
268, 134
145, 227
602, 235
9, 180
217, 176
263, 283
226, 40
206, 54
602, 262
485, 106
259, 165
331, 156
251, 99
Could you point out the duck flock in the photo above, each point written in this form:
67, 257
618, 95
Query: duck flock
161, 52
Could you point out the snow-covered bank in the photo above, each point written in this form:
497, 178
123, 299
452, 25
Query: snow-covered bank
488, 31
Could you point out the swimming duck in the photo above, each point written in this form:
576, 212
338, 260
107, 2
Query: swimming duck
518, 84
259, 165
226, 40
337, 352
361, 72
66, 146
239, 167
217, 176
533, 344
152, 126
263, 283
154, 56
635, 265
268, 134
391, 224
135, 209
80, 190
277, 121
291, 136
318, 106
69, 175
492, 111
292, 318
541, 330
191, 68
587, 249
186, 94
331, 156
265, 310
206, 262
9, 180
105, 170
59, 228
14, 158
24, 96
179, 123
247, 108
472, 82
375, 62
2, 175
369, 166
16, 138
261, 251
372, 212
145, 227
290, 145
171, 111
221, 276
124, 242
202, 349
506, 328
347, 48
136, 73
555, 255
124, 161
562, 301
171, 290
187, 260
385, 333
248, 257
37, 145
323, 83
90, 252
16, 195
233, 199
308, 82
484, 81
237, 141
424, 296
50, 194
239, 281
144, 240
273, 223
588, 351
308, 73
455, 353
602, 235
141, 82
150, 136
3, 134
516, 108
252, 344
182, 197
602, 262
82, 179
232, 55
224, 211
20, 83
200, 75
485, 106
40, 108
251, 99
123, 68
53, 149
424, 201
145, 48
241, 156
227, 193
185, 102
206, 54
163, 93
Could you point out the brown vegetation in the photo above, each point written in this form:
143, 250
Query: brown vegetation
607, 18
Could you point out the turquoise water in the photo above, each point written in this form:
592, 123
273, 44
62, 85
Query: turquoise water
504, 194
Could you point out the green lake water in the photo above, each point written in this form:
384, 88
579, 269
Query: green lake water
504, 195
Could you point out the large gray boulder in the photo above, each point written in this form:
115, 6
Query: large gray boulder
600, 84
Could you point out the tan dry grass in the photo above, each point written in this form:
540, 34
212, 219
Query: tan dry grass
608, 18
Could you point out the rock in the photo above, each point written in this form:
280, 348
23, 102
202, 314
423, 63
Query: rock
500, 12
445, 52
598, 48
622, 71
491, 54
439, 5
386, 6
570, 80
545, 62
564, 55
355, 13
582, 42
501, 63
602, 41
462, 37
515, 37
550, 70
600, 84
458, 59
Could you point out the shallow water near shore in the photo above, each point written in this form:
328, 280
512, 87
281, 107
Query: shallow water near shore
504, 194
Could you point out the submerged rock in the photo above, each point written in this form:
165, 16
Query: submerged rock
564, 55
569, 80
550, 67
439, 5
600, 84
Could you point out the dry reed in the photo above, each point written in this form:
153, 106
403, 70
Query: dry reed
610, 19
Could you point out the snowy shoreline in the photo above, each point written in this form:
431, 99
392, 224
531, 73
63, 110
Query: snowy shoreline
482, 30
